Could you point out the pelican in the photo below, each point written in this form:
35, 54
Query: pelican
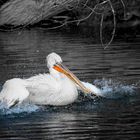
58, 87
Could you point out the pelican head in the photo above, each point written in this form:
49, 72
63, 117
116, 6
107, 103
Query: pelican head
53, 59
54, 63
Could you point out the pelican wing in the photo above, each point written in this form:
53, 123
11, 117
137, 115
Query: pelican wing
13, 92
43, 89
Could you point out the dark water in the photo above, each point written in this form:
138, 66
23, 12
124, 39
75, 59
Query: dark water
116, 70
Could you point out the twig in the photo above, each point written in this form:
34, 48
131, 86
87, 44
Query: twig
114, 28
124, 8
78, 20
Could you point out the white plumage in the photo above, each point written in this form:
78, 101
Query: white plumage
59, 87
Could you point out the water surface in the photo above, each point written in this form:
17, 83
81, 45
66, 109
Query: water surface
116, 70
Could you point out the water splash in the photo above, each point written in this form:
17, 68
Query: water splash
115, 89
22, 108
108, 89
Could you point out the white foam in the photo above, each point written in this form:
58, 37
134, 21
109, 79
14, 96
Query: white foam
114, 89
93, 88
22, 108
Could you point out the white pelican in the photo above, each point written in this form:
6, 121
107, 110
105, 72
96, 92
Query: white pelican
59, 87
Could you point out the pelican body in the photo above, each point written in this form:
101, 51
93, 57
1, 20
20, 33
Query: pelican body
59, 87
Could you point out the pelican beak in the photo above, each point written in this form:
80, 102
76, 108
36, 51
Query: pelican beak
63, 69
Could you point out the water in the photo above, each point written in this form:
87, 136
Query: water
115, 70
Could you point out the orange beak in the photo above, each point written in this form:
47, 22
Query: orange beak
62, 69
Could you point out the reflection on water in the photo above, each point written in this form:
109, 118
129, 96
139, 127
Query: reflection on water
23, 53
